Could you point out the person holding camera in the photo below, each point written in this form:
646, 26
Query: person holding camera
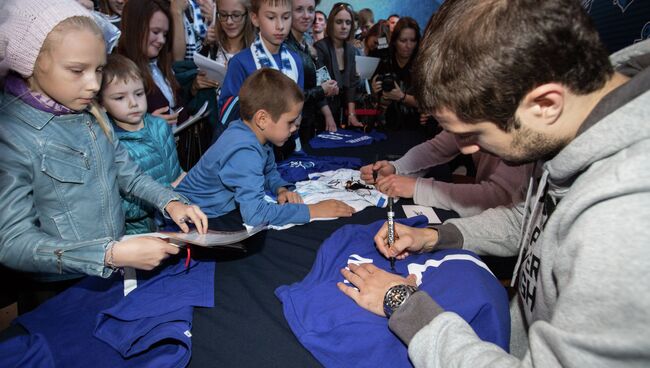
392, 79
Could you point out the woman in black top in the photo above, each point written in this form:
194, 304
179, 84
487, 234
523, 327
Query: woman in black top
303, 17
337, 53
396, 97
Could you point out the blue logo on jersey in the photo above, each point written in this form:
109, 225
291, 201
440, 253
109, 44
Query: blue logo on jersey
623, 4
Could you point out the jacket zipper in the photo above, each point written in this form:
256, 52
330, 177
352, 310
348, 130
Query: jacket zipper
59, 261
101, 173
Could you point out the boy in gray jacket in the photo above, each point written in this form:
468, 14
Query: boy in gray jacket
542, 89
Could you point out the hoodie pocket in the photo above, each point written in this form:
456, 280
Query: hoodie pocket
64, 163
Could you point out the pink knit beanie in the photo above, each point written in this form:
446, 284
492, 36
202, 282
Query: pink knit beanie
24, 25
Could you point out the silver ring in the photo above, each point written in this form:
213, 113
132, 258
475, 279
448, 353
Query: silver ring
183, 219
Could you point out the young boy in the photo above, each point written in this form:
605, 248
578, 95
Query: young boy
147, 138
273, 18
240, 167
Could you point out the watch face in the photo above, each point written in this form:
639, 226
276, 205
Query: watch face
396, 296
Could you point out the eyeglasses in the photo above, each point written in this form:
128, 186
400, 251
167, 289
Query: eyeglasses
345, 5
236, 17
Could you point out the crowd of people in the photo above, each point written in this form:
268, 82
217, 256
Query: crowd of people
559, 138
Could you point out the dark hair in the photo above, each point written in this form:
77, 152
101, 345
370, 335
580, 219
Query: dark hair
480, 58
255, 4
135, 33
379, 28
270, 90
119, 67
393, 16
105, 8
366, 15
402, 24
337, 8
320, 12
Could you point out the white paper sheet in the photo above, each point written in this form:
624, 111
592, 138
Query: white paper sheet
414, 210
366, 66
214, 70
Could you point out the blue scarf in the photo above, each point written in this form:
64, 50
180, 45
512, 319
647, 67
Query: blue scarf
264, 59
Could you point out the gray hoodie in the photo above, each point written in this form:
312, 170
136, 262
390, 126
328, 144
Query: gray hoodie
583, 237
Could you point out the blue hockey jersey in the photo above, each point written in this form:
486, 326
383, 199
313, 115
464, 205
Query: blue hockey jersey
298, 167
345, 138
93, 324
339, 333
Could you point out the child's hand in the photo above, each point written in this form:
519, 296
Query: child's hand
171, 118
330, 208
383, 168
287, 196
143, 252
182, 214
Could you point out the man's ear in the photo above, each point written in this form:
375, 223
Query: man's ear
544, 104
261, 119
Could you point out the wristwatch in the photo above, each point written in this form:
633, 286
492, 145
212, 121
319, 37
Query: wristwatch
396, 296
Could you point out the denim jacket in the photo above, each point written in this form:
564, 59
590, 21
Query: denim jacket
60, 182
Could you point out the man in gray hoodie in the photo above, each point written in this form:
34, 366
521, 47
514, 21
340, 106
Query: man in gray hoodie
530, 81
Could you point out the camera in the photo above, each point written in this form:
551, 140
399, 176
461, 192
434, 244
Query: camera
387, 81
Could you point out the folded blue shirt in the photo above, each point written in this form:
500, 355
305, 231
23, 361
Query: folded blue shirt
345, 138
299, 166
94, 324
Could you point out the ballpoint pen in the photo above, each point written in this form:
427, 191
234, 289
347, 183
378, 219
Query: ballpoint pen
391, 231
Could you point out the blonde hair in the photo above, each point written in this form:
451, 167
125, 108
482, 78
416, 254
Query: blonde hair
78, 23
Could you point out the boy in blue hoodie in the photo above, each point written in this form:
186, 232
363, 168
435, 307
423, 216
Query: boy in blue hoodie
240, 167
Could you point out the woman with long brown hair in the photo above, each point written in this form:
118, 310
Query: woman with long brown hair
392, 80
337, 53
146, 40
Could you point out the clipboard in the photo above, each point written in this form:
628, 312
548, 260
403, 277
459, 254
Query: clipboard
203, 112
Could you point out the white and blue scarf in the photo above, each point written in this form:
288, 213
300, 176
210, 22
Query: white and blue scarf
195, 29
264, 59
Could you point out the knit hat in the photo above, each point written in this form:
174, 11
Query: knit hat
25, 24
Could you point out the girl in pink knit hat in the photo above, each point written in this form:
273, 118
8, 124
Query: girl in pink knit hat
62, 169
